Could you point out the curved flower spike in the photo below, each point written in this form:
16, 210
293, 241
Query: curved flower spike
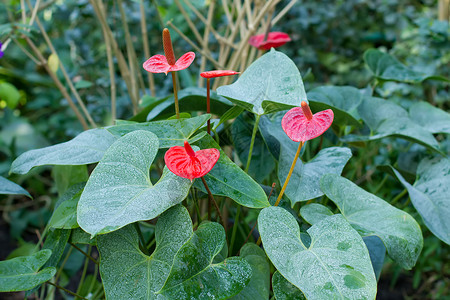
301, 125
186, 163
218, 73
274, 39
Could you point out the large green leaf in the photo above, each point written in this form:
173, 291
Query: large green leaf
304, 183
271, 83
119, 191
90, 146
22, 273
430, 195
126, 272
10, 188
314, 213
227, 179
262, 163
259, 285
87, 147
343, 100
284, 290
431, 118
336, 265
371, 215
169, 132
67, 176
386, 67
190, 99
195, 276
387, 119
65, 214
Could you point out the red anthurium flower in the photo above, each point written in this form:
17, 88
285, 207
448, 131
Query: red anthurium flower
165, 64
186, 163
218, 73
301, 125
274, 39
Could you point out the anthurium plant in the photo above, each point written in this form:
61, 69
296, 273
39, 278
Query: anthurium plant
171, 209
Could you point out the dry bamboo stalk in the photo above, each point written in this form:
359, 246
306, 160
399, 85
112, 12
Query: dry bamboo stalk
58, 83
228, 14
189, 21
64, 71
209, 57
150, 78
283, 12
112, 76
206, 39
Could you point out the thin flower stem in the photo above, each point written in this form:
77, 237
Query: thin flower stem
235, 226
66, 290
252, 142
83, 274
399, 196
197, 207
208, 105
61, 267
289, 174
175, 94
141, 238
84, 253
211, 197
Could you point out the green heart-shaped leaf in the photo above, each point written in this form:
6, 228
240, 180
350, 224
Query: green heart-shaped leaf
22, 273
387, 119
336, 265
284, 290
431, 118
430, 193
269, 84
119, 191
259, 285
90, 146
388, 68
126, 272
10, 188
371, 215
195, 276
304, 184
314, 213
228, 180
343, 100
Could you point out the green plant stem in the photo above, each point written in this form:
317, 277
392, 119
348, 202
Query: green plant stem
61, 267
84, 253
208, 105
66, 290
175, 94
252, 143
211, 197
83, 274
235, 225
385, 178
399, 196
289, 174
197, 207
141, 238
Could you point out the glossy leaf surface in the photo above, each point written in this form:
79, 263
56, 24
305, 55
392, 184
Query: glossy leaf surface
227, 179
65, 214
126, 272
430, 195
8, 187
387, 68
371, 215
87, 147
195, 276
335, 265
284, 290
305, 180
119, 191
259, 285
271, 83
22, 273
